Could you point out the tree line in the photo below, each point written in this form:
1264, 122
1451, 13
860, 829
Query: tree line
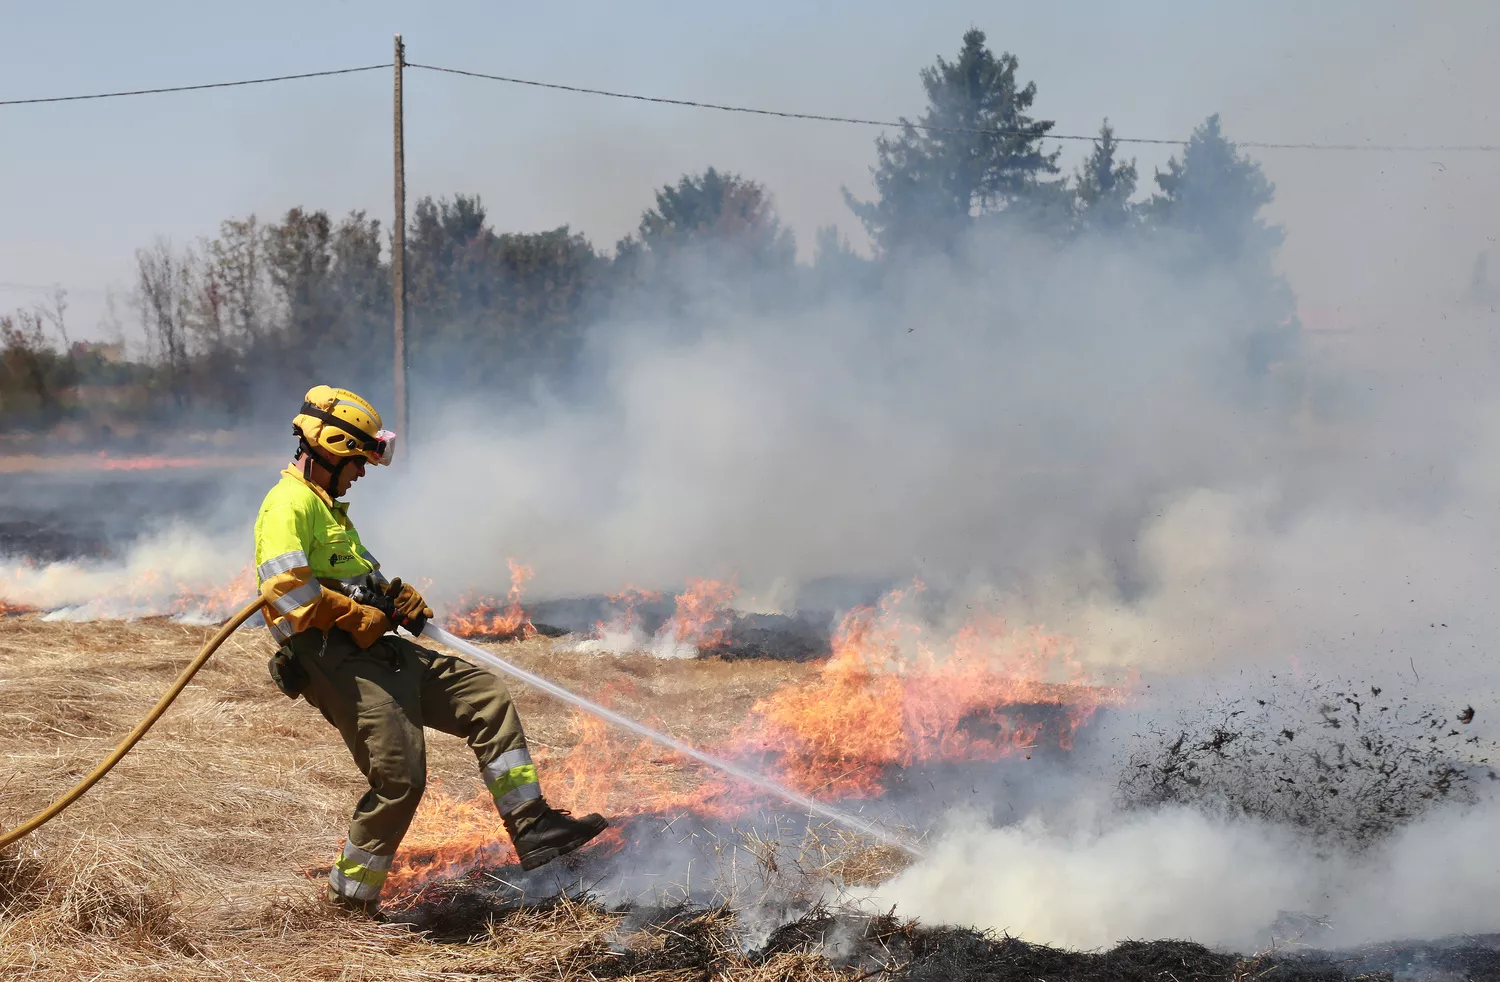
267, 306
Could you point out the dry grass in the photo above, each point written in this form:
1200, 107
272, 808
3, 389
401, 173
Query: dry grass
196, 858
188, 861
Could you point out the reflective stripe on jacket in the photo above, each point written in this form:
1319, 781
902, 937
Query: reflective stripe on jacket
305, 544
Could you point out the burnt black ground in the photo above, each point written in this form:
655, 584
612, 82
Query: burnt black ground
710, 939
52, 517
802, 636
796, 916
1340, 761
1386, 761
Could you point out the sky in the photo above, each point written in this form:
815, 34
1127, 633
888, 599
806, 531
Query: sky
83, 184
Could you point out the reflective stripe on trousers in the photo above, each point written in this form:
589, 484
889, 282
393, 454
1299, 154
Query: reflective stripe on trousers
359, 874
511, 778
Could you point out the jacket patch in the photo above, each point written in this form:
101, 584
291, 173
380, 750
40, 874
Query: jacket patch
339, 558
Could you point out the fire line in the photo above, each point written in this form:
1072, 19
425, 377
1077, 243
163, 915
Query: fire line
435, 633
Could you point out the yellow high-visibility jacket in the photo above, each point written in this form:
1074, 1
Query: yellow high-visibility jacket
308, 555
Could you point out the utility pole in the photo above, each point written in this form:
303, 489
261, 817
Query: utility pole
398, 251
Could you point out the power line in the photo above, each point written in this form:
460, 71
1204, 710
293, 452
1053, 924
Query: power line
1380, 147
191, 88
779, 113
784, 114
770, 112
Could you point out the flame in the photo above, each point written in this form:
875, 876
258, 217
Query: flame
216, 603
8, 585
890, 698
7, 608
156, 594
701, 620
893, 695
103, 461
612, 773
80, 590
604, 771
484, 618
625, 621
448, 835
701, 617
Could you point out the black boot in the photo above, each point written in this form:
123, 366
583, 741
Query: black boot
365, 908
541, 833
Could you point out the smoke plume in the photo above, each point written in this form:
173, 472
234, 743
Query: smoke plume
1180, 873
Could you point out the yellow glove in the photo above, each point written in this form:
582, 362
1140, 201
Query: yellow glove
411, 611
366, 624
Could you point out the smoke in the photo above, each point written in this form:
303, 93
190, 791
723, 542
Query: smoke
1177, 872
854, 438
1172, 873
617, 639
1245, 811
179, 571
123, 544
1074, 437
1073, 431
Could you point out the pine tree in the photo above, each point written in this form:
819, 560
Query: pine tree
1210, 202
728, 218
1104, 187
975, 152
1216, 193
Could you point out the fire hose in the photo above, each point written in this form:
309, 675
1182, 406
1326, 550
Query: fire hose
168, 697
492, 660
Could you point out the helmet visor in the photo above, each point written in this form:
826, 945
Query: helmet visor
382, 450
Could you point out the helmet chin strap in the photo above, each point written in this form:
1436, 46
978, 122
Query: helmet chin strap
333, 467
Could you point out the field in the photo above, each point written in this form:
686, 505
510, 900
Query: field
202, 855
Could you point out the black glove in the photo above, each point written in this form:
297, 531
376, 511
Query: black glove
372, 597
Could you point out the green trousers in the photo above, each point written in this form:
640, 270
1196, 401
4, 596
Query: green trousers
379, 698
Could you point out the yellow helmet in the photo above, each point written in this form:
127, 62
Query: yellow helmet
341, 424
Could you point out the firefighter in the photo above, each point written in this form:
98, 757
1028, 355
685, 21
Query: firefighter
332, 612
